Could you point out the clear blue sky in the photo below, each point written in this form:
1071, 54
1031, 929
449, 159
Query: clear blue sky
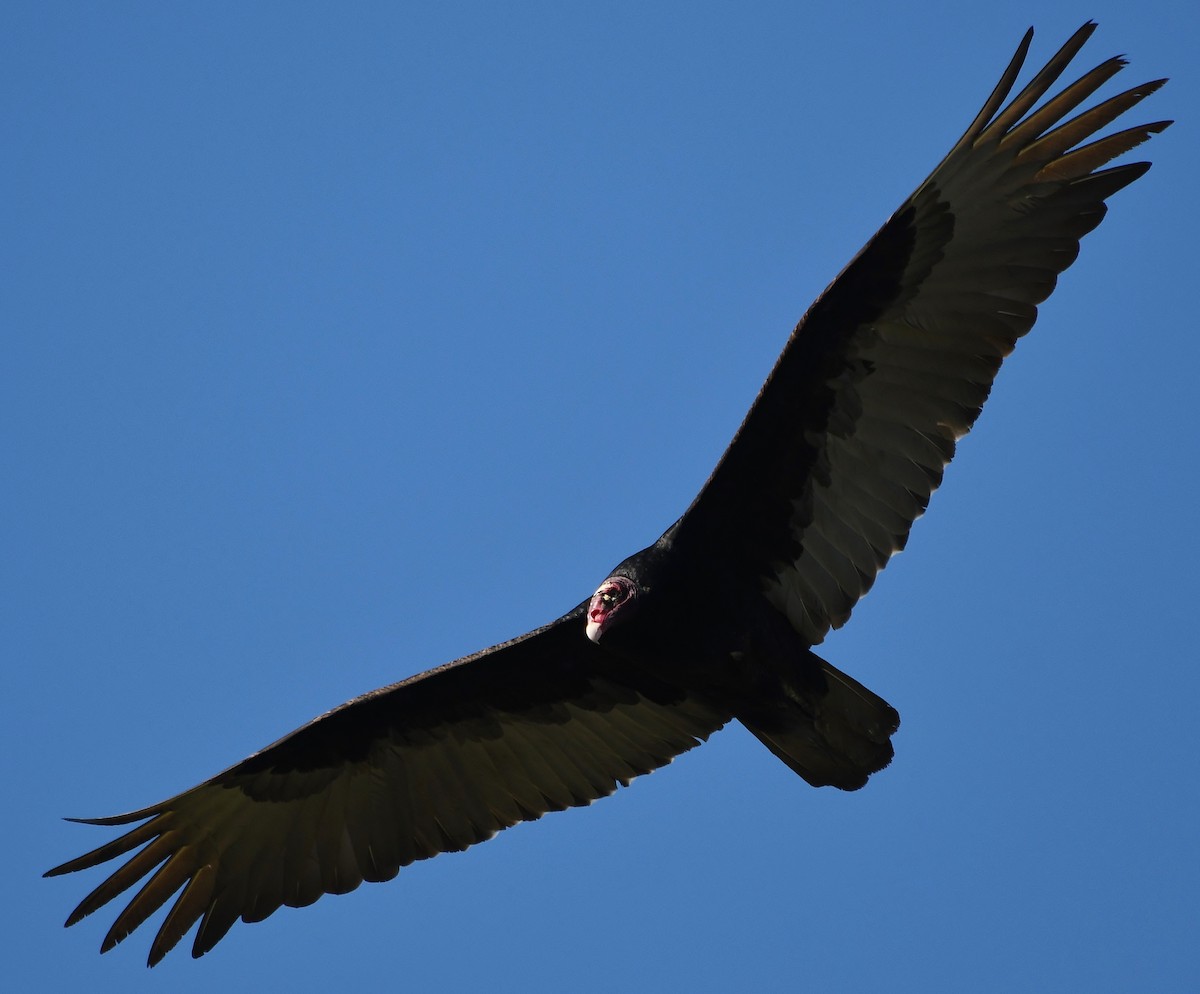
341, 341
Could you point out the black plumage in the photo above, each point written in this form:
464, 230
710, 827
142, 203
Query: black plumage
716, 621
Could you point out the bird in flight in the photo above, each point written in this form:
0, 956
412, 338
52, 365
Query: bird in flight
716, 620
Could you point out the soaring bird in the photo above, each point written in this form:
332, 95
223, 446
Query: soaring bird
716, 620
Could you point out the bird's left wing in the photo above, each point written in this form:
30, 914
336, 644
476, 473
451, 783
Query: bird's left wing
851, 432
433, 764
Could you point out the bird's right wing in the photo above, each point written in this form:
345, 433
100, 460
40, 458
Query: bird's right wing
433, 764
851, 432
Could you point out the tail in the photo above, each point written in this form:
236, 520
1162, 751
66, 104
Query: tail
829, 729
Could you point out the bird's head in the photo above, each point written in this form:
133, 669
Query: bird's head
613, 601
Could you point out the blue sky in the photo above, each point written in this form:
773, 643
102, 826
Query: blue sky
344, 340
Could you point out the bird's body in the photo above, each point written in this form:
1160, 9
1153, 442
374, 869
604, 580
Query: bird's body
717, 620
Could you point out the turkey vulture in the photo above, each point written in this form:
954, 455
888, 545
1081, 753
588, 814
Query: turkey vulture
715, 621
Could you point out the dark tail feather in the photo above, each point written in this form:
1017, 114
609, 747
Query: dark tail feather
831, 730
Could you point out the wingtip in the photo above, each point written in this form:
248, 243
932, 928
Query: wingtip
122, 819
78, 915
1154, 85
60, 870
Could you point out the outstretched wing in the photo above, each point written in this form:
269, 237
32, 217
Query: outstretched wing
852, 430
433, 764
